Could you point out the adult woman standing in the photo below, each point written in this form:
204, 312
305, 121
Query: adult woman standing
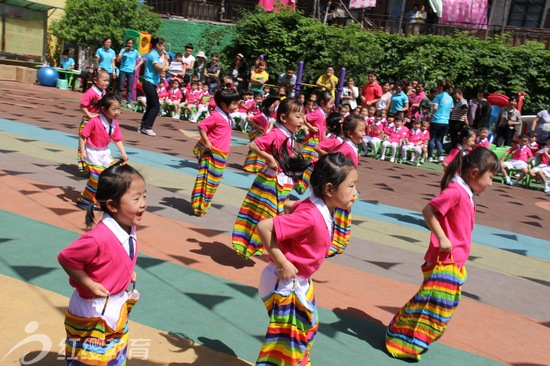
541, 126
200, 66
212, 72
239, 72
105, 59
350, 93
258, 77
508, 120
154, 67
443, 103
128, 66
483, 111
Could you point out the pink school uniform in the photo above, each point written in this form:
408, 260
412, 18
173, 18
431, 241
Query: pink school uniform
98, 133
212, 163
304, 237
458, 149
267, 195
394, 138
457, 207
316, 119
175, 95
414, 142
252, 106
253, 163
483, 143
89, 100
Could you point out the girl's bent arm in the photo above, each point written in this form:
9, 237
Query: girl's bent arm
204, 137
82, 278
430, 216
266, 231
271, 162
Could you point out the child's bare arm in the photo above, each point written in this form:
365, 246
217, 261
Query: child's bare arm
285, 268
430, 216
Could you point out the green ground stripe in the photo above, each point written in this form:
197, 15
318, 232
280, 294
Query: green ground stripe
222, 314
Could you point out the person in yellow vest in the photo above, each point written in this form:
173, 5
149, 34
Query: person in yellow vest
328, 81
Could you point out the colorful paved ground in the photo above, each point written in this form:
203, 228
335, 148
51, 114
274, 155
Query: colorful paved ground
199, 302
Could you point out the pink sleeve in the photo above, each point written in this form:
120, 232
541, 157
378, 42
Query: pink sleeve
79, 253
117, 135
264, 142
87, 130
293, 225
446, 200
86, 99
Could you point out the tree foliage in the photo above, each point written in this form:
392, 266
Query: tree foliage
469, 63
88, 22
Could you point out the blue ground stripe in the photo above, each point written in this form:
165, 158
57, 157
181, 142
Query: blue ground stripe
224, 315
497, 238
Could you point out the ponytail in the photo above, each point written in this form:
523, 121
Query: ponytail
292, 165
479, 158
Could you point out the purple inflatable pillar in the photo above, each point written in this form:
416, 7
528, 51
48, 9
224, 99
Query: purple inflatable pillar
340, 86
299, 77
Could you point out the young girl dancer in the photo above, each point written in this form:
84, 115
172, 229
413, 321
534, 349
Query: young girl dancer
315, 123
334, 122
450, 218
212, 149
352, 131
88, 106
262, 123
94, 142
464, 141
297, 244
100, 265
269, 192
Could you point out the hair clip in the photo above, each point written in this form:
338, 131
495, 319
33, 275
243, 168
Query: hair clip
282, 98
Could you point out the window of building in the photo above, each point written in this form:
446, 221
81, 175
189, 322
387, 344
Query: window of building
526, 13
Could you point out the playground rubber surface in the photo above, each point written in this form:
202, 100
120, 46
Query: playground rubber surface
199, 304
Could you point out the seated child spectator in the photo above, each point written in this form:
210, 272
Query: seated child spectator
533, 145
162, 93
206, 104
462, 143
311, 105
542, 170
413, 141
301, 97
394, 137
375, 133
173, 103
425, 129
240, 116
521, 154
192, 100
482, 139
254, 104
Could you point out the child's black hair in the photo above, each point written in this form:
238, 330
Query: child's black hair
112, 184
227, 96
66, 52
324, 97
288, 106
293, 164
157, 41
267, 103
334, 123
479, 158
106, 101
331, 168
462, 135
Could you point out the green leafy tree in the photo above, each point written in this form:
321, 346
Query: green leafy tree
88, 22
464, 60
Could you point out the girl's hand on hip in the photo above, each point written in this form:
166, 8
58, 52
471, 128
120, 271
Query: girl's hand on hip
288, 271
98, 290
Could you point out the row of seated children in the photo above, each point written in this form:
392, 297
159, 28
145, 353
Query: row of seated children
390, 132
524, 154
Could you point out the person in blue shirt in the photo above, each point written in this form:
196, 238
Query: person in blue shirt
442, 105
105, 59
399, 100
130, 62
154, 68
67, 62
